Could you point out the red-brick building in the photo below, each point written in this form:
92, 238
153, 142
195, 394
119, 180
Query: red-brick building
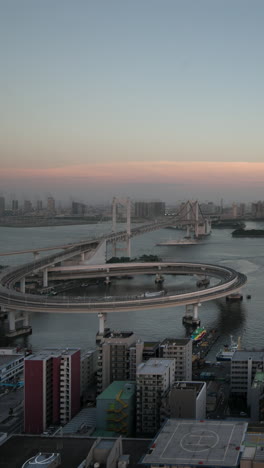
52, 388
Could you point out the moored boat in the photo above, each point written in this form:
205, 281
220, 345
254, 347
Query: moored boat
227, 352
198, 334
180, 242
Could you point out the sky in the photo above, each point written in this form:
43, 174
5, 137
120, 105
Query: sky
154, 99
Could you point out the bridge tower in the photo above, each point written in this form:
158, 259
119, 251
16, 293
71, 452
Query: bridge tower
126, 202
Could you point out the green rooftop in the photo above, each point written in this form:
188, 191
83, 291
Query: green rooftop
259, 378
128, 389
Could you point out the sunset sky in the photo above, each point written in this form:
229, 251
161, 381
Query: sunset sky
146, 98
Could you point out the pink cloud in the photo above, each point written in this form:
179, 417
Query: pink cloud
153, 171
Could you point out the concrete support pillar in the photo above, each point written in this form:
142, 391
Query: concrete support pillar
102, 320
159, 278
191, 316
23, 285
25, 319
45, 278
12, 320
36, 255
195, 312
82, 256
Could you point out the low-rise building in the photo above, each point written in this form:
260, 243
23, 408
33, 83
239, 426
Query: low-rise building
256, 397
185, 442
115, 408
244, 365
11, 364
185, 400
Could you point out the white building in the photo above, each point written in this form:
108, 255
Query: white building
154, 378
11, 364
181, 351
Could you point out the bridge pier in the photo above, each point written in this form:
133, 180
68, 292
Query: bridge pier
36, 255
191, 316
11, 321
102, 321
45, 278
159, 278
107, 280
23, 285
13, 317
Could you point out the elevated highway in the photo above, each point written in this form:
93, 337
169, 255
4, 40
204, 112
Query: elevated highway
230, 281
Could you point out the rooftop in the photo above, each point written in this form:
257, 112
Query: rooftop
193, 442
51, 352
176, 341
82, 422
258, 379
43, 459
154, 366
189, 386
245, 354
6, 359
110, 393
73, 450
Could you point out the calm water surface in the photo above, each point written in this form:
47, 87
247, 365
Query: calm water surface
244, 319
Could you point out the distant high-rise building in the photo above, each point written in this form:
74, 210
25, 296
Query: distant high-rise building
149, 209
39, 205
51, 205
78, 208
27, 206
14, 205
2, 205
257, 209
154, 378
52, 388
242, 209
234, 210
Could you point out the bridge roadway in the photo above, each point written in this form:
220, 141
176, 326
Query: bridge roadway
230, 282
114, 236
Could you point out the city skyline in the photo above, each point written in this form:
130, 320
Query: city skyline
103, 99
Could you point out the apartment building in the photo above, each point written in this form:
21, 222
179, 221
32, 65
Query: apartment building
119, 354
153, 379
52, 388
181, 351
88, 369
244, 366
